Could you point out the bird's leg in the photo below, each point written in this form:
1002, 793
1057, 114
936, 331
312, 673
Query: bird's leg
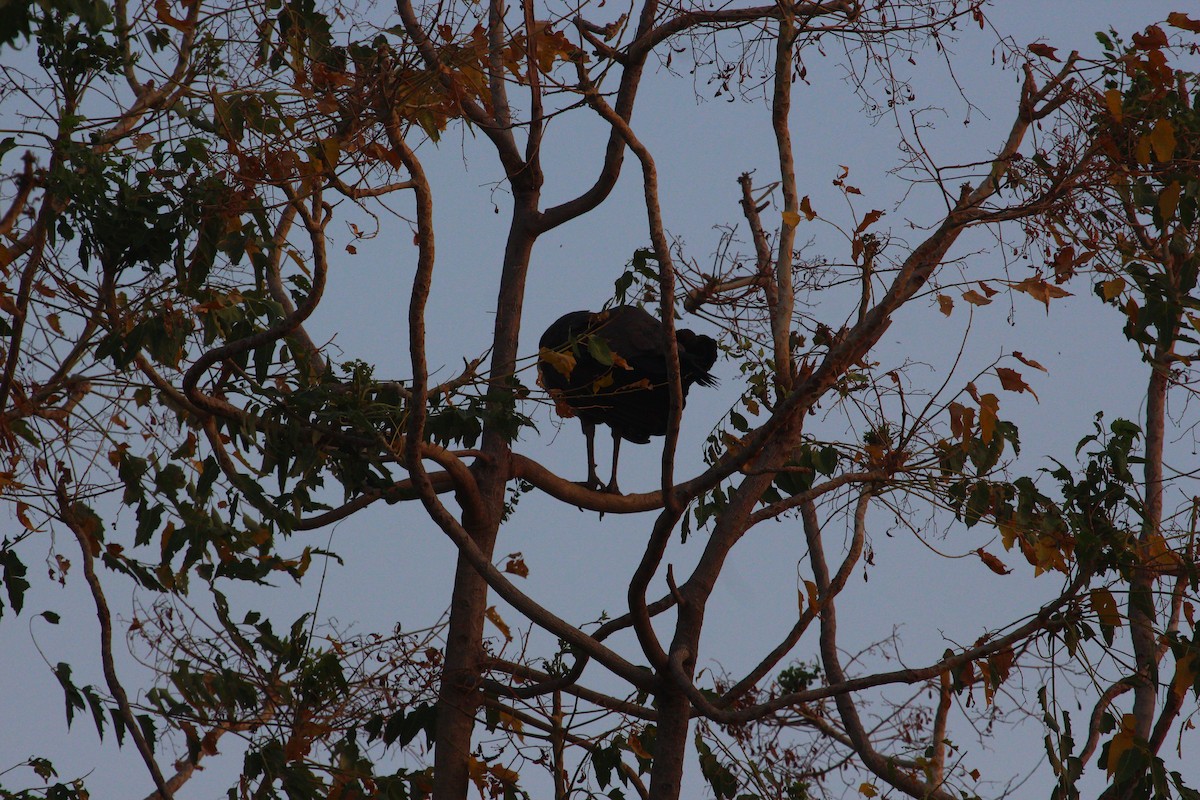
589, 433
612, 481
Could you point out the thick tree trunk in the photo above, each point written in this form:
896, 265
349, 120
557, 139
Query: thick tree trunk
458, 696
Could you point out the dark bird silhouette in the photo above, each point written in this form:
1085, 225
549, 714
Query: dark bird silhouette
611, 368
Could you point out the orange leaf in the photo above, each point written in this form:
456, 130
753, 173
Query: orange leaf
991, 562
639, 750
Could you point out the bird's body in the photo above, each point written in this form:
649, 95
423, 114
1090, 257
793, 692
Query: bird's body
610, 368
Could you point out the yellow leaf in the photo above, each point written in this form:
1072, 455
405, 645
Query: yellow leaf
1105, 607
1141, 150
1112, 288
1008, 535
791, 219
1186, 670
562, 363
812, 594
1162, 140
867, 790
1112, 99
1168, 200
509, 722
989, 405
945, 304
1121, 743
1157, 555
1048, 555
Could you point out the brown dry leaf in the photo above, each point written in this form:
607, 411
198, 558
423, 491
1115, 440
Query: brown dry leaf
975, 298
494, 617
806, 209
1011, 381
945, 304
870, 219
1178, 19
992, 562
1039, 289
1029, 362
1044, 50
516, 566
